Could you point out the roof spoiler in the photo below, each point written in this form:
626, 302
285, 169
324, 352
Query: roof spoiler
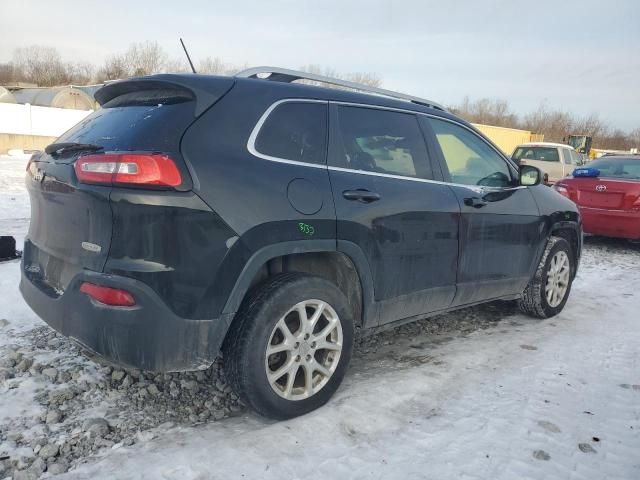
206, 89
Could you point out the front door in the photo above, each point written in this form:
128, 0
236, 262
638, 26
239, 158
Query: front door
500, 226
387, 205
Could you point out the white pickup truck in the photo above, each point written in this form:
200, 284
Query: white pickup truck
556, 160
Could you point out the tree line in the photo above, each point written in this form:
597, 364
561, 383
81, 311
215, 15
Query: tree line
45, 67
555, 124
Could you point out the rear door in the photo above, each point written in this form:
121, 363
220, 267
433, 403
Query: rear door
388, 205
499, 225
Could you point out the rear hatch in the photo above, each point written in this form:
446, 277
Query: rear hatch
70, 225
71, 221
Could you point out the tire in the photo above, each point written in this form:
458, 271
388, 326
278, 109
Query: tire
535, 299
261, 322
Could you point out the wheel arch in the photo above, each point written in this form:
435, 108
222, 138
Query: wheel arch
346, 267
572, 233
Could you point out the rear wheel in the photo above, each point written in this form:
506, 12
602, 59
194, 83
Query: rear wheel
548, 291
290, 345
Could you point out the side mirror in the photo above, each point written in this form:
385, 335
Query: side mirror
530, 175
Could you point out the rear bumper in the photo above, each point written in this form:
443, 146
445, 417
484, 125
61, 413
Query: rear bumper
611, 223
148, 336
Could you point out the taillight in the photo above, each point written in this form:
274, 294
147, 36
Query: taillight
128, 169
562, 190
114, 297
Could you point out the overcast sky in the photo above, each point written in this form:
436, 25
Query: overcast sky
581, 56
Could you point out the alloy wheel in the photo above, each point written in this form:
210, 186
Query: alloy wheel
303, 350
557, 279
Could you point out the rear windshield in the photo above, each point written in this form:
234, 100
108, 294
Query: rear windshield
627, 168
545, 154
152, 120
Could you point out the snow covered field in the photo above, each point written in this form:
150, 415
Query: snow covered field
483, 393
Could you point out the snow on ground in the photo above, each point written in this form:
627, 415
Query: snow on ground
481, 393
14, 200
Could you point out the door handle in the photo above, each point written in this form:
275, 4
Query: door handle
475, 202
361, 195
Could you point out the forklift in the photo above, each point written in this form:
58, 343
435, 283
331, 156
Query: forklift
581, 144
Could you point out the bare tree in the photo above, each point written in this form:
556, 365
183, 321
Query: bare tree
212, 66
634, 137
365, 78
216, 66
487, 111
177, 65
114, 67
81, 73
40, 65
7, 74
146, 58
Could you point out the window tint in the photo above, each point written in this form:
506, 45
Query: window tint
470, 160
545, 154
381, 141
295, 131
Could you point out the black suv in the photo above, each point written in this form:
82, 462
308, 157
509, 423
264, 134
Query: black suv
268, 220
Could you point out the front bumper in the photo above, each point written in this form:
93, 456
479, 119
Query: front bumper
611, 223
148, 336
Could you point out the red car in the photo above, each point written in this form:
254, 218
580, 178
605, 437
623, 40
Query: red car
607, 192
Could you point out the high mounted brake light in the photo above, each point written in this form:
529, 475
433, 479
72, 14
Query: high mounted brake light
128, 169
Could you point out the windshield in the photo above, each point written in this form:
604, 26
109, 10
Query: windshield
545, 154
617, 167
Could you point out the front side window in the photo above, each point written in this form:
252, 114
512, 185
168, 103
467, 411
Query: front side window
469, 159
544, 154
295, 131
381, 141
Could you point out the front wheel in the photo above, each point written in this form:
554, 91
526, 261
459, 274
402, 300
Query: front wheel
548, 291
290, 345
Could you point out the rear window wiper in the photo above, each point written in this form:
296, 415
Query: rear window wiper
63, 147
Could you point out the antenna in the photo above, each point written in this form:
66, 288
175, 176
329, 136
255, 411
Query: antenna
193, 69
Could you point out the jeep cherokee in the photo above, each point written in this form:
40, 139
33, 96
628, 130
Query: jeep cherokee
267, 220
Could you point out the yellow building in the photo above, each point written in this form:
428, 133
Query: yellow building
507, 139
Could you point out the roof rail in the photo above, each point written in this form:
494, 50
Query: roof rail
277, 74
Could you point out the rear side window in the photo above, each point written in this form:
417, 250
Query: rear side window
544, 154
295, 131
566, 153
469, 159
381, 141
